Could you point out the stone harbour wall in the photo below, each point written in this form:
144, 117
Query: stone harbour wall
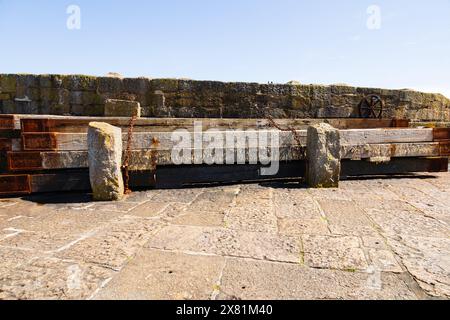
86, 95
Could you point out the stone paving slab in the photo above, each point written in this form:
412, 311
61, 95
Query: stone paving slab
246, 279
346, 218
157, 275
370, 239
112, 247
428, 261
226, 242
336, 252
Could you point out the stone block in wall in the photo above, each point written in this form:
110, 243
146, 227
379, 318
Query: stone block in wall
122, 108
45, 81
28, 93
342, 89
85, 97
27, 81
8, 107
87, 110
5, 96
49, 95
138, 86
27, 107
55, 109
335, 112
110, 85
300, 102
8, 83
168, 85
95, 110
79, 83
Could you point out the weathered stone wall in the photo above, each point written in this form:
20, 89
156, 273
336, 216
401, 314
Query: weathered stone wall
85, 95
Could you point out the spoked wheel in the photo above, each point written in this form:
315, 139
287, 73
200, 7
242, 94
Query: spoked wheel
371, 107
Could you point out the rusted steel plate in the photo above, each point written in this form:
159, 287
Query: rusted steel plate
15, 184
441, 134
39, 141
24, 161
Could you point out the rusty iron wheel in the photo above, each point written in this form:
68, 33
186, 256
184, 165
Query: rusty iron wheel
371, 107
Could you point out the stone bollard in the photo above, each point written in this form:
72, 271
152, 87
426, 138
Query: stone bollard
105, 160
122, 108
323, 156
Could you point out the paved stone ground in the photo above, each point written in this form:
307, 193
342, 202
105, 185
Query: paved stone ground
371, 239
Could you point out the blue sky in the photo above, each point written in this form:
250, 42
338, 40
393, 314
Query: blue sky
311, 41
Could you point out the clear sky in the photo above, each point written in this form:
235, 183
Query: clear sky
311, 41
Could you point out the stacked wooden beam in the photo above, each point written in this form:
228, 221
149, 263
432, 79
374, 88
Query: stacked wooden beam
49, 153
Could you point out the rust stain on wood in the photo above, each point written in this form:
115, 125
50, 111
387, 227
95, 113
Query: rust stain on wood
6, 122
5, 145
24, 161
35, 125
445, 148
39, 141
400, 123
440, 134
15, 184
438, 165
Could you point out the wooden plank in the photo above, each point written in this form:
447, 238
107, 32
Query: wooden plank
15, 184
445, 148
140, 159
9, 122
395, 166
144, 159
180, 176
377, 136
441, 134
67, 181
393, 150
62, 181
142, 140
7, 144
79, 124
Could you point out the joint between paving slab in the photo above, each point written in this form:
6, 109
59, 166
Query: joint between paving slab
217, 287
411, 281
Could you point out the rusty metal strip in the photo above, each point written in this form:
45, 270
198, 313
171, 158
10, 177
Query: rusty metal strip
24, 161
440, 134
126, 162
15, 185
154, 159
39, 141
